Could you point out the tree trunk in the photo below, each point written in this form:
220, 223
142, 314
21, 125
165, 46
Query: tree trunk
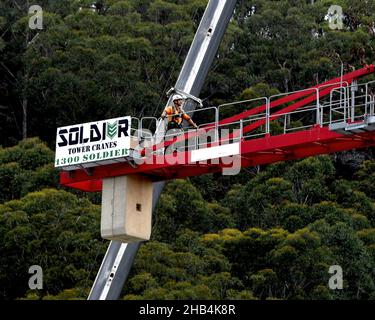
24, 91
24, 118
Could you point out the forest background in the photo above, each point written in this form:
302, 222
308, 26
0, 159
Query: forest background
271, 232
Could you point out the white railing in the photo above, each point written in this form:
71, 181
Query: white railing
348, 103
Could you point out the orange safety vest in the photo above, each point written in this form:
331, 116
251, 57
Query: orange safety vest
175, 116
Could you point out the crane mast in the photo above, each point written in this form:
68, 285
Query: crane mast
119, 257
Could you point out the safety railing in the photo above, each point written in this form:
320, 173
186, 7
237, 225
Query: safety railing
356, 102
259, 117
370, 92
238, 125
338, 108
191, 142
285, 120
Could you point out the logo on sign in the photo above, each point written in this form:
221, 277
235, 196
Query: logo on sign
76, 134
111, 130
93, 142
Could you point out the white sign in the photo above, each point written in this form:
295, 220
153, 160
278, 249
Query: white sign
225, 150
93, 144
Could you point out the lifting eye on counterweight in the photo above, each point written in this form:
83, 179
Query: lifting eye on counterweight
172, 91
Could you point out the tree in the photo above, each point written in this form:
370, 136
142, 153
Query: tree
271, 232
182, 206
24, 168
366, 178
310, 177
258, 205
53, 229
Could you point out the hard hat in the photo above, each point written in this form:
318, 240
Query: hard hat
178, 97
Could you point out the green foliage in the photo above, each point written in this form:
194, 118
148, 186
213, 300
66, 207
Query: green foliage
182, 206
258, 91
115, 57
67, 294
269, 233
263, 240
366, 178
92, 60
180, 275
53, 229
257, 204
353, 256
355, 199
310, 177
30, 153
24, 168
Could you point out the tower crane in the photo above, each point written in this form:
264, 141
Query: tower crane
332, 116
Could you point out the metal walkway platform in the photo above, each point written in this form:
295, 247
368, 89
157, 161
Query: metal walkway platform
367, 125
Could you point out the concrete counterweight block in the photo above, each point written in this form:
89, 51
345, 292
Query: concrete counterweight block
126, 208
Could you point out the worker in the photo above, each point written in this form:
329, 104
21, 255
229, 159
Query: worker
176, 114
